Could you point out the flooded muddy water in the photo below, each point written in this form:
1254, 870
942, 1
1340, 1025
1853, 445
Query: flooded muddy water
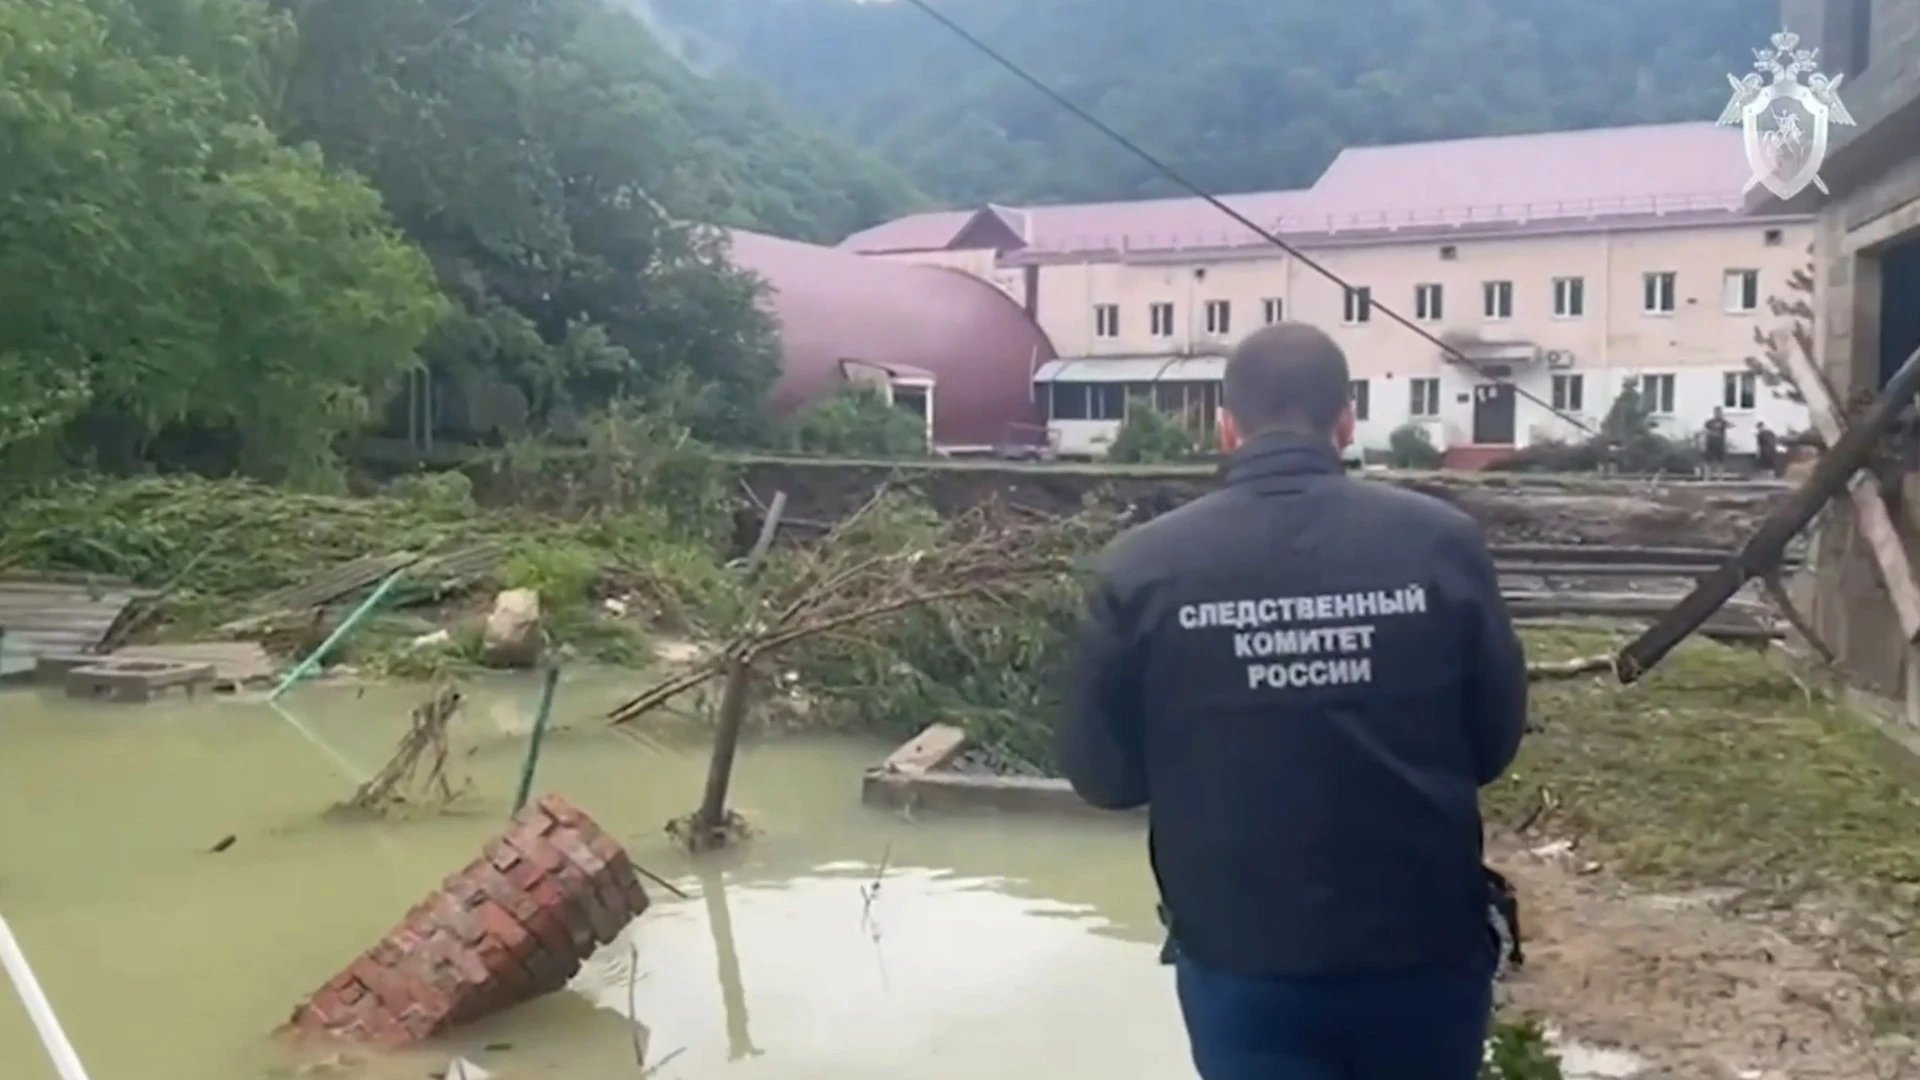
993, 946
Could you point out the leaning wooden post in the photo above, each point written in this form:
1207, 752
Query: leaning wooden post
1762, 551
712, 816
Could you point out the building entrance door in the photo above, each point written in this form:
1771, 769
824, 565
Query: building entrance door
1494, 416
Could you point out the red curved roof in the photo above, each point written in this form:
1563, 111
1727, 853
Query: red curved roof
975, 341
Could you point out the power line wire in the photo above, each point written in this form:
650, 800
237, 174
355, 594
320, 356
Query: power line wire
1453, 355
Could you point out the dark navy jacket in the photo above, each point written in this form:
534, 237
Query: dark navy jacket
1306, 677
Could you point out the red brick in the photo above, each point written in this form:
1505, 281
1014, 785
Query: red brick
515, 923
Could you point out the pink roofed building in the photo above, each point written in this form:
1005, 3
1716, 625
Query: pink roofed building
1555, 267
938, 341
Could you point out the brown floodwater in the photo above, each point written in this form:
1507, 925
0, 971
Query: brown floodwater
994, 946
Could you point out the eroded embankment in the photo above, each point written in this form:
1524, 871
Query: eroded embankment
1514, 509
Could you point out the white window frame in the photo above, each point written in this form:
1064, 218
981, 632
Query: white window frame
1737, 387
1160, 319
1356, 305
1273, 309
1429, 302
1496, 300
1423, 398
1659, 292
1106, 321
1740, 291
1219, 318
1569, 297
1360, 396
1672, 385
1569, 391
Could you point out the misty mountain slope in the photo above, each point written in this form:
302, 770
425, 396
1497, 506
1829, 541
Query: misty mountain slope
1239, 94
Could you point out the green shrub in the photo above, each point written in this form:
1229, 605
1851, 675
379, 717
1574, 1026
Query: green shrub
857, 421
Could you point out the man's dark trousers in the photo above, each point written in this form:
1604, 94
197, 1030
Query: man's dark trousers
1421, 1025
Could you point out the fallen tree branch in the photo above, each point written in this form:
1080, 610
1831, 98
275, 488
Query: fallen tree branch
871, 568
1548, 670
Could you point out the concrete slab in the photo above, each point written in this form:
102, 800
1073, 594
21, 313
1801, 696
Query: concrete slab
134, 681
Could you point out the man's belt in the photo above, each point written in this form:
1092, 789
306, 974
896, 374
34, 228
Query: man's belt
1503, 922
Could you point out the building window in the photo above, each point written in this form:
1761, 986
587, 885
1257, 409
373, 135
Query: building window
1657, 293
1569, 393
1738, 390
1497, 299
1773, 237
1273, 310
1448, 252
1426, 303
1160, 320
1357, 393
1089, 401
1741, 290
1106, 320
1359, 306
1569, 297
1423, 397
1656, 393
1219, 318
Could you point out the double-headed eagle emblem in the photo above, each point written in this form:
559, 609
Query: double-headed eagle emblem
1785, 119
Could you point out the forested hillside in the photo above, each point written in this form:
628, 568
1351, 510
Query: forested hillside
1240, 94
228, 227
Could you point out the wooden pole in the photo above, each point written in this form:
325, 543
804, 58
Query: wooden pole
733, 700
1761, 553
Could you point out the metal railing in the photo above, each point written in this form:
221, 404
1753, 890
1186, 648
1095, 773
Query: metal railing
60, 1050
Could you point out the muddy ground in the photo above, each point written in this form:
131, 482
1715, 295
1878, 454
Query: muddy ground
1544, 510
1693, 984
1716, 871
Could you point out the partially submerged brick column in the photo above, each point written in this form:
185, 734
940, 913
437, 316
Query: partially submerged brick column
515, 924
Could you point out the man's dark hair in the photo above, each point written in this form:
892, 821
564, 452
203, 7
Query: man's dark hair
1286, 376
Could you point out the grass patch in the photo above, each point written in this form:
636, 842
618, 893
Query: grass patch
1718, 769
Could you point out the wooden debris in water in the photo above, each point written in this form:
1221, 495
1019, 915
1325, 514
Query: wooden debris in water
417, 771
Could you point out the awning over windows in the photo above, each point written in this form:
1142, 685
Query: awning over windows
1138, 369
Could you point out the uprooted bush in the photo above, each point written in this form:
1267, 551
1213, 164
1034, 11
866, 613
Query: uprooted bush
641, 513
898, 616
1627, 442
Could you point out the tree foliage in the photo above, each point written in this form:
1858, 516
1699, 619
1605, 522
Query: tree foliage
858, 421
554, 160
230, 225
1239, 94
164, 261
1150, 437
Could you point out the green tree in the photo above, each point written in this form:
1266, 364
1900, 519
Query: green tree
165, 262
561, 169
1150, 437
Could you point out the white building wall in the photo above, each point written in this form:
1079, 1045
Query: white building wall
1613, 336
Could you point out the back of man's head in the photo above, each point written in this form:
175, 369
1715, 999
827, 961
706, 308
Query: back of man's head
1286, 377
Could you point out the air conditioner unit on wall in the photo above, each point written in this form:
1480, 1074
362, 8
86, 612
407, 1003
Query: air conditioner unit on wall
1558, 358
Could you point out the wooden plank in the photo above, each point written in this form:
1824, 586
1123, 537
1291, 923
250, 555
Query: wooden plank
1870, 512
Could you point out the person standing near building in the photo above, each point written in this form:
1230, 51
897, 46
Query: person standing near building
1306, 678
1766, 450
1716, 444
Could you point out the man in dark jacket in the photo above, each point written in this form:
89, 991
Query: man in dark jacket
1307, 677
